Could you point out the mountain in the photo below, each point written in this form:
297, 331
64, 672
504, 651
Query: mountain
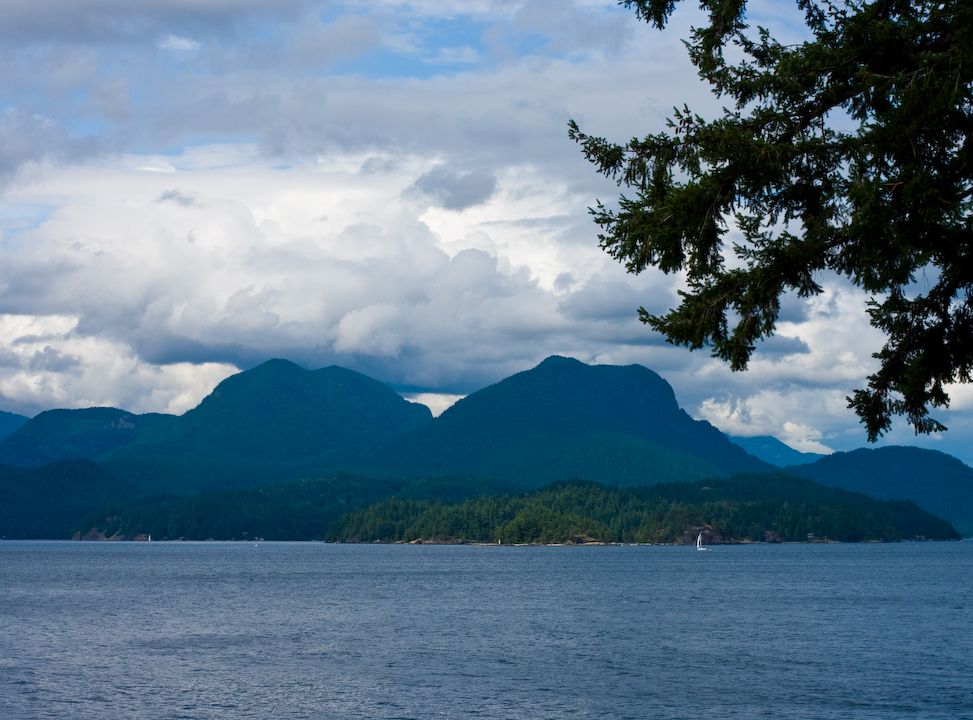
935, 481
64, 434
46, 502
261, 425
770, 449
10, 422
561, 420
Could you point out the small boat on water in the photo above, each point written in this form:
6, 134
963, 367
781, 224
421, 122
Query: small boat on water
699, 543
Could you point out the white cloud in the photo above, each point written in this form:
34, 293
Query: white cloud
372, 330
44, 363
179, 43
804, 438
324, 264
438, 403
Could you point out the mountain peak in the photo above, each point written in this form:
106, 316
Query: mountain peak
561, 387
269, 420
565, 403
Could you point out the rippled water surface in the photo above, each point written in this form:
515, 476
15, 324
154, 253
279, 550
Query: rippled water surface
293, 630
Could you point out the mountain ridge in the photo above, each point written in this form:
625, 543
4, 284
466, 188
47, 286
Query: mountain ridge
561, 420
551, 423
87, 433
261, 425
770, 449
937, 482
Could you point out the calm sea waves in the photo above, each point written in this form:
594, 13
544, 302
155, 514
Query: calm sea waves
295, 630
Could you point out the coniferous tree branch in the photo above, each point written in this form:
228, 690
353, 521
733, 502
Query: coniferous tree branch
881, 204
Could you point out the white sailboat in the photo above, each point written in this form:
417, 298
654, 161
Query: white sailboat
699, 543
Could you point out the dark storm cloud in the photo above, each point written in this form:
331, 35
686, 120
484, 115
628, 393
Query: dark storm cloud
602, 301
451, 189
10, 359
28, 137
781, 345
51, 360
793, 309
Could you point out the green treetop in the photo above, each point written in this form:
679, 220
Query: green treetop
881, 202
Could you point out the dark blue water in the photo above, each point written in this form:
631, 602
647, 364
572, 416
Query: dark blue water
233, 630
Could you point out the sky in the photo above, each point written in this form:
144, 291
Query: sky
191, 187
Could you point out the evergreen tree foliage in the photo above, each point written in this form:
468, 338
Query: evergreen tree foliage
84, 433
350, 508
44, 503
297, 510
746, 507
883, 202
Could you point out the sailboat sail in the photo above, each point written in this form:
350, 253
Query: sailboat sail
699, 542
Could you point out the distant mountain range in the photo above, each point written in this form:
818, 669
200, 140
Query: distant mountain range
937, 482
67, 434
10, 422
771, 450
562, 420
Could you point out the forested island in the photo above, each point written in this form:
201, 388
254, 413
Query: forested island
755, 507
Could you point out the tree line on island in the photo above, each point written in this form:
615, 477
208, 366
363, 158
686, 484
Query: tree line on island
742, 508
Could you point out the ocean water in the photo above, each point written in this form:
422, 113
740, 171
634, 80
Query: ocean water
309, 630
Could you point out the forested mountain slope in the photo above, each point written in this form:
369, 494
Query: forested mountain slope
935, 481
261, 425
47, 502
86, 433
561, 420
9, 422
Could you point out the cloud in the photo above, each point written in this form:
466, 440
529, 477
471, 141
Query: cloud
438, 403
372, 330
387, 187
45, 364
454, 55
28, 138
178, 197
377, 165
782, 345
570, 28
451, 189
602, 300
51, 360
99, 21
178, 43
